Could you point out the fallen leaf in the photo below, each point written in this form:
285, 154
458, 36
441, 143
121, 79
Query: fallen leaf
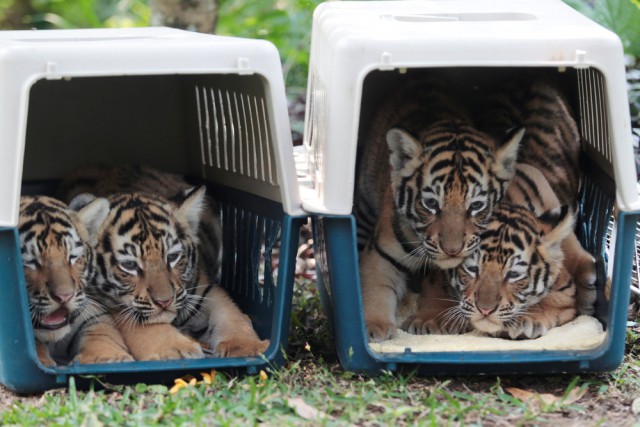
635, 406
207, 377
232, 382
304, 410
574, 395
179, 383
530, 397
519, 393
534, 400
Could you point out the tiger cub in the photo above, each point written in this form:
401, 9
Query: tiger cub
552, 145
427, 184
158, 256
546, 178
516, 285
59, 266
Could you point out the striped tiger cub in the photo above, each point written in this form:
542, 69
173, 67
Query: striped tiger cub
522, 282
158, 256
516, 286
427, 184
552, 145
59, 267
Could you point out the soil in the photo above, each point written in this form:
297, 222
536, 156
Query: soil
8, 399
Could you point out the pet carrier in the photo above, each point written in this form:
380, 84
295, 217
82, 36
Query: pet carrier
212, 108
360, 51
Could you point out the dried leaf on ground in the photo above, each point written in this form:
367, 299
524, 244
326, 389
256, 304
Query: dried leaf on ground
535, 400
304, 410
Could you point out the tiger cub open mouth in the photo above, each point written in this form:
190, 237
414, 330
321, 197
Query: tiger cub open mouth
56, 320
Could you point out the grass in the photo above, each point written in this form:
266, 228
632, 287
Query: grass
302, 393
312, 389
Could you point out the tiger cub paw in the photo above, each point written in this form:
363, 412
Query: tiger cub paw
43, 354
380, 330
47, 361
421, 325
418, 325
241, 347
527, 329
184, 348
585, 279
89, 357
176, 346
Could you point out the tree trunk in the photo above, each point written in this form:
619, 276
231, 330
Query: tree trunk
193, 15
14, 16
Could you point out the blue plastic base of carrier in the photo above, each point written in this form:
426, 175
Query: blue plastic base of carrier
339, 286
249, 222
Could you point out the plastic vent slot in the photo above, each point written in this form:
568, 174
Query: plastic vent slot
249, 242
635, 277
594, 117
320, 253
235, 136
315, 137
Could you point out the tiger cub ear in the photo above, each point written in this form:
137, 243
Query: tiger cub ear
507, 154
81, 200
191, 208
403, 147
556, 224
92, 214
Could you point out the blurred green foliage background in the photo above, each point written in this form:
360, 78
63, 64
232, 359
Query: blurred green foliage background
286, 23
620, 16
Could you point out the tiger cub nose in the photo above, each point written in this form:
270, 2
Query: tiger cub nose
484, 310
62, 297
164, 303
452, 250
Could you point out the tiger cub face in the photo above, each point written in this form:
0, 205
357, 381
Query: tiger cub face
446, 182
147, 256
58, 262
518, 265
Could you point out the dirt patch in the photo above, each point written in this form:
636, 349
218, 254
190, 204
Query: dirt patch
8, 399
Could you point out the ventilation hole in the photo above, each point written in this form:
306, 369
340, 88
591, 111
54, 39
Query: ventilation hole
268, 143
200, 132
214, 111
240, 140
